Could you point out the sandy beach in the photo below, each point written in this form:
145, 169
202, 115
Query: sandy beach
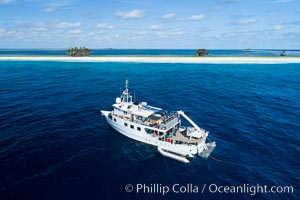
157, 59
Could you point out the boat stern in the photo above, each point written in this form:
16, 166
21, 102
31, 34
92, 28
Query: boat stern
205, 149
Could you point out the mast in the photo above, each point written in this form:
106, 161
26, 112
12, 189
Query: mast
126, 96
126, 90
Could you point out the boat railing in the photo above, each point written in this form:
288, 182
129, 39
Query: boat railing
170, 124
169, 117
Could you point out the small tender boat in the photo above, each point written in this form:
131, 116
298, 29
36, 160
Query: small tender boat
153, 125
171, 154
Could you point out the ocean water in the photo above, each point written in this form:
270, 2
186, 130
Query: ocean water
54, 144
151, 52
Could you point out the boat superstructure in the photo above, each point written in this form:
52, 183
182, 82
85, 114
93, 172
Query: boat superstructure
153, 125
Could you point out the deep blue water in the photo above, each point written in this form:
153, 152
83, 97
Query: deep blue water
153, 52
55, 145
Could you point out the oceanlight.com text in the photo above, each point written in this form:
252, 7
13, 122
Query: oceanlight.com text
190, 188
250, 189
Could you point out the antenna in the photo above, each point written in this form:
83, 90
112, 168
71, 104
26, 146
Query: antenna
126, 90
126, 84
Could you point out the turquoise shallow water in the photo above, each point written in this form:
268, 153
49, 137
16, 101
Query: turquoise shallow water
55, 145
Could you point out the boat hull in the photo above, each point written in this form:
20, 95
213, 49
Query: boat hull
143, 136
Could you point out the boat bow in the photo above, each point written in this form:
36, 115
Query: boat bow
105, 113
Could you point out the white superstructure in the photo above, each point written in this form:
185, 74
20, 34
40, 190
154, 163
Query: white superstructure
157, 127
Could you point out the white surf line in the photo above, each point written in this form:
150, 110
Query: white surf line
204, 60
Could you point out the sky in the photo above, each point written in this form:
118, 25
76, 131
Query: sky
150, 24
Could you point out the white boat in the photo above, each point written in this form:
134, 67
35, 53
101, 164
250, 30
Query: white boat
157, 127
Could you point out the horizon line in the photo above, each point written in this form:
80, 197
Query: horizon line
111, 48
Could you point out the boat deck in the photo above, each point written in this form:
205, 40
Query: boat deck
180, 137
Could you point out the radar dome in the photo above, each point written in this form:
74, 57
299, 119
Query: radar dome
118, 100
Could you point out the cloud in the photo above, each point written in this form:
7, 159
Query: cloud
295, 22
155, 27
133, 14
168, 16
38, 29
217, 7
77, 31
169, 34
281, 1
229, 1
272, 10
50, 9
292, 35
241, 16
246, 21
43, 32
278, 27
6, 1
62, 25
141, 33
196, 17
2, 31
104, 26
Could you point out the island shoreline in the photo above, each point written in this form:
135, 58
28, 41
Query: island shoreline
160, 59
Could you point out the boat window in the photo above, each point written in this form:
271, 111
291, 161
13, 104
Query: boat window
115, 119
125, 124
131, 126
144, 119
148, 131
139, 128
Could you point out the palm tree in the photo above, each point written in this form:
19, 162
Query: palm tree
81, 51
85, 51
88, 52
201, 52
69, 52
